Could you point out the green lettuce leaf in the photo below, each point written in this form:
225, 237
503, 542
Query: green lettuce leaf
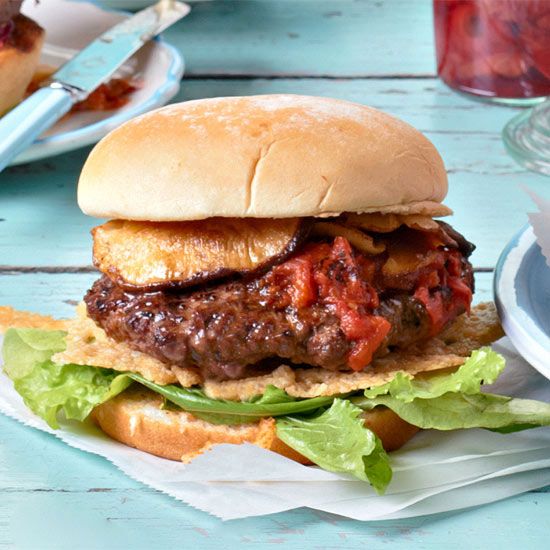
46, 387
453, 411
338, 441
272, 395
327, 430
24, 347
274, 402
482, 367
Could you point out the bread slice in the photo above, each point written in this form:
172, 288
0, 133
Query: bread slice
18, 62
136, 418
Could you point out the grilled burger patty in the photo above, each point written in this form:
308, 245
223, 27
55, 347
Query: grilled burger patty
235, 329
226, 332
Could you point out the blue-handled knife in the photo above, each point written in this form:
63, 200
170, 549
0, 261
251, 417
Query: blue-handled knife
75, 80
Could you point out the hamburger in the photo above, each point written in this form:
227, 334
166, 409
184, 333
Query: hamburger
271, 272
21, 41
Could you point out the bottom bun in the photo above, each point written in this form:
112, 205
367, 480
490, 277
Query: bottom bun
136, 418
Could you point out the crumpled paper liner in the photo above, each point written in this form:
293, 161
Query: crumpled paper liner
540, 221
435, 472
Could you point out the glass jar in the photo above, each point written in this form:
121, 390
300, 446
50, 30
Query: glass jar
494, 49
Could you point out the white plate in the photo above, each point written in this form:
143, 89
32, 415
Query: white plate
522, 292
69, 27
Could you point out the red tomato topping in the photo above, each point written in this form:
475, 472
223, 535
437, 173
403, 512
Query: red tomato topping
428, 292
375, 330
296, 275
110, 95
332, 276
347, 283
339, 278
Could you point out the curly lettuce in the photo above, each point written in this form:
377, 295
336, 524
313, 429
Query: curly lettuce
328, 430
48, 388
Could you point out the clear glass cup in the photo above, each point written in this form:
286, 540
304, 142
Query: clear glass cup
527, 138
494, 49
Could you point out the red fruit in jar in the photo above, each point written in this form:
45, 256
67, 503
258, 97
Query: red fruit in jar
506, 64
541, 58
472, 68
494, 47
467, 27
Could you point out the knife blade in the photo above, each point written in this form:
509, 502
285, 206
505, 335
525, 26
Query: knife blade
100, 59
80, 76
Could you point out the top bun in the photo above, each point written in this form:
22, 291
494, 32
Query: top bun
270, 156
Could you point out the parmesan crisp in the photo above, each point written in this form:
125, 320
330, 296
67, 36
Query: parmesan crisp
11, 318
88, 344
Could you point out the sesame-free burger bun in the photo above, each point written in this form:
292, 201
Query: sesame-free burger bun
137, 418
270, 156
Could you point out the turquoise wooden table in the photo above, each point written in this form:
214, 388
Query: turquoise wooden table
375, 52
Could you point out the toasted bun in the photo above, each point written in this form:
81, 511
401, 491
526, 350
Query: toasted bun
262, 156
136, 418
18, 61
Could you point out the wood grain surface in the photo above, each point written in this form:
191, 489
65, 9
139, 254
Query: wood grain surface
307, 38
378, 52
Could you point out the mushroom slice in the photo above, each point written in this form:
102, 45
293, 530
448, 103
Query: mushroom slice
361, 241
155, 255
385, 223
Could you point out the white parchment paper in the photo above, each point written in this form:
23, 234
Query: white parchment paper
435, 472
540, 221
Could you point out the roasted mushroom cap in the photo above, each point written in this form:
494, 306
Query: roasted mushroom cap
385, 223
151, 255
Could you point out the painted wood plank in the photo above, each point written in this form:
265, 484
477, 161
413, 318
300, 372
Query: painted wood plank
40, 221
43, 226
57, 294
135, 520
304, 37
50, 294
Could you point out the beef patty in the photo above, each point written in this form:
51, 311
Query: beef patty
226, 332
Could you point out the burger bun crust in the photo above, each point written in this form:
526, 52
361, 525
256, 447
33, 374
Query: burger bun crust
270, 156
137, 419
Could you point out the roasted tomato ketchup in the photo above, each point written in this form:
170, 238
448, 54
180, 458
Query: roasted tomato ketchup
443, 292
350, 283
